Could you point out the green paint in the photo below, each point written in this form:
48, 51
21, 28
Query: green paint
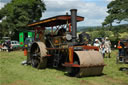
30, 34
21, 39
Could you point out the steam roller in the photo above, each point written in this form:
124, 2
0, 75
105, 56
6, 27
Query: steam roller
61, 48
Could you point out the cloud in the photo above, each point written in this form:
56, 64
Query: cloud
2, 5
5, 1
110, 0
94, 14
94, 11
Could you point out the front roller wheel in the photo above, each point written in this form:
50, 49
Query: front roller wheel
73, 71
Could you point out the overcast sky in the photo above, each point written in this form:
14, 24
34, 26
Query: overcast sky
94, 11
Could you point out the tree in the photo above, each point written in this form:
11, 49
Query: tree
118, 11
19, 13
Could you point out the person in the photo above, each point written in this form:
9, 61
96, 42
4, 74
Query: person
120, 49
107, 46
6, 45
102, 47
97, 43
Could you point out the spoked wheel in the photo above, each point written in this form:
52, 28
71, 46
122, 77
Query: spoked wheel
35, 62
38, 59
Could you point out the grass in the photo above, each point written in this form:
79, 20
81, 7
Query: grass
13, 73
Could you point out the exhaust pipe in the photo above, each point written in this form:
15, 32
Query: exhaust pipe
74, 25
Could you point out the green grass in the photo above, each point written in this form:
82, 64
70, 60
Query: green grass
13, 73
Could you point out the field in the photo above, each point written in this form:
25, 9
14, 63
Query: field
13, 73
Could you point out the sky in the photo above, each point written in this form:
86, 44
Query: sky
94, 11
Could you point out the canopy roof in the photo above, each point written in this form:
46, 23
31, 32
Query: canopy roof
54, 21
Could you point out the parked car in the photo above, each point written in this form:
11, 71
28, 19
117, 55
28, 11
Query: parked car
14, 45
6, 38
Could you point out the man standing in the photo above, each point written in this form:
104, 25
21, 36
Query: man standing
107, 46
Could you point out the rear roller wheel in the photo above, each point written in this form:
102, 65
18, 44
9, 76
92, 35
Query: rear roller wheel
38, 60
39, 63
35, 62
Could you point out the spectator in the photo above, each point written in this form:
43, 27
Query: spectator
102, 47
97, 43
107, 46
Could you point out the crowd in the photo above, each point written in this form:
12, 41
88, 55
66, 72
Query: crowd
104, 46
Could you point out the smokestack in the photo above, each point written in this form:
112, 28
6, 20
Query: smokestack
74, 25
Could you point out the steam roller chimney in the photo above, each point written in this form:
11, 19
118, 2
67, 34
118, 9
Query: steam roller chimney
74, 25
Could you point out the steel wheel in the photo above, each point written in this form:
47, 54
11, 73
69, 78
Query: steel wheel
74, 71
37, 60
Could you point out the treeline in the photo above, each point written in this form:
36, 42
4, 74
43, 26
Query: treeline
114, 33
121, 28
16, 14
